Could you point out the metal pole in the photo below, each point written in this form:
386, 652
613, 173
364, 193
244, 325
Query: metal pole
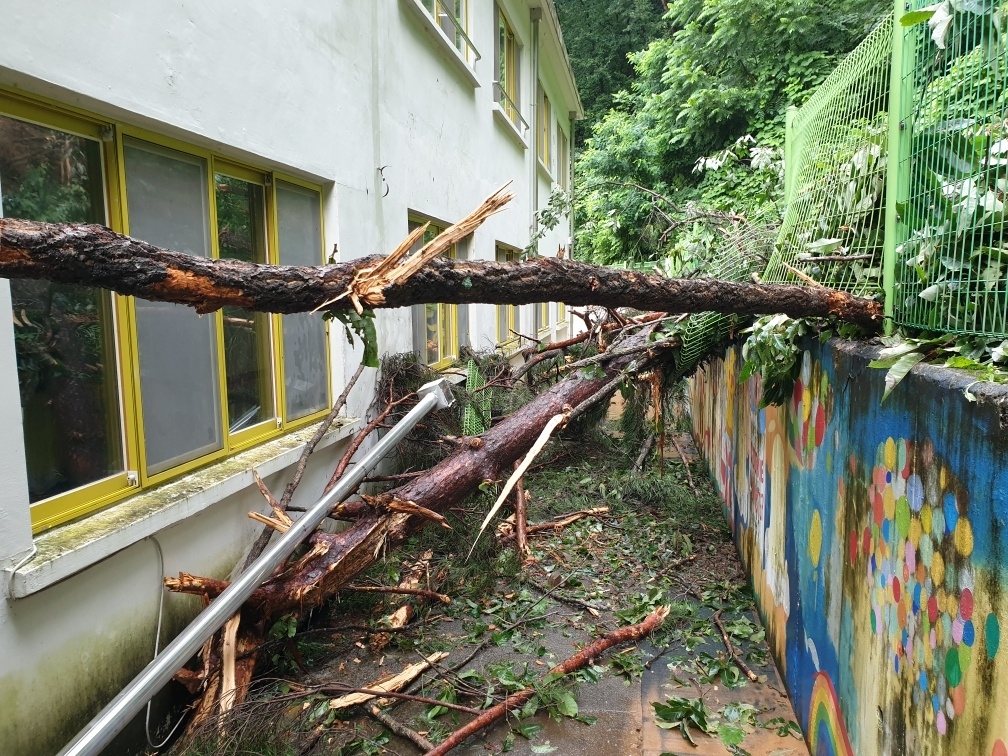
535, 14
100, 731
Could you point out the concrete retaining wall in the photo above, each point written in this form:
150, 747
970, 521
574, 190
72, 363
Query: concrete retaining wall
876, 538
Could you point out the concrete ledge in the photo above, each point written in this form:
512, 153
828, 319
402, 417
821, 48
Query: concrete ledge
451, 52
509, 127
74, 547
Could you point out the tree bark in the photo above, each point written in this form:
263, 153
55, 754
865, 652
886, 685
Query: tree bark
332, 559
95, 256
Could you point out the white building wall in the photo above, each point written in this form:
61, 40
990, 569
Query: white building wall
356, 95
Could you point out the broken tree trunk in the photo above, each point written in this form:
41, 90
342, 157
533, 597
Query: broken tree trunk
332, 559
95, 256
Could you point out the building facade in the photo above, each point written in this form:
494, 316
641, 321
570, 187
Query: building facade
286, 135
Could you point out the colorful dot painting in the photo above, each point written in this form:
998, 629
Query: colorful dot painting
811, 406
916, 546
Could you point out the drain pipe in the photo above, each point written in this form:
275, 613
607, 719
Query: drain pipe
113, 718
535, 16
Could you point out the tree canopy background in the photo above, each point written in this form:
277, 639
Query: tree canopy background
691, 124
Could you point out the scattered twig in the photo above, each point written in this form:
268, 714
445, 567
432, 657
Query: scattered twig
402, 591
732, 651
269, 522
638, 465
585, 656
685, 464
369, 693
562, 521
535, 360
344, 463
299, 470
611, 354
520, 335
673, 565
398, 728
799, 274
577, 604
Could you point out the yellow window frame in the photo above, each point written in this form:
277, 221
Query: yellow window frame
110, 135
545, 128
268, 427
507, 315
90, 497
508, 68
272, 427
447, 314
543, 313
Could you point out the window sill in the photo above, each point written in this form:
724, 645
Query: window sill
457, 59
510, 348
544, 171
71, 548
509, 126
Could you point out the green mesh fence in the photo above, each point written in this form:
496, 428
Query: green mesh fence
951, 252
745, 250
833, 227
476, 415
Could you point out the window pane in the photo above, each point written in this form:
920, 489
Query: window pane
507, 315
304, 338
63, 335
248, 360
166, 193
432, 313
507, 68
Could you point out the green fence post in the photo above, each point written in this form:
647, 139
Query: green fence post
898, 149
789, 152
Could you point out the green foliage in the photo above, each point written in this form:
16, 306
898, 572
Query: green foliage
628, 664
640, 606
364, 327
985, 358
42, 197
772, 350
683, 714
558, 207
953, 273
599, 35
718, 80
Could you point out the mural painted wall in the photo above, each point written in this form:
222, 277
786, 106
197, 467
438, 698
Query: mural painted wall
876, 538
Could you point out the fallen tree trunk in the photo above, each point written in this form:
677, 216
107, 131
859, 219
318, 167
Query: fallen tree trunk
331, 560
95, 256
